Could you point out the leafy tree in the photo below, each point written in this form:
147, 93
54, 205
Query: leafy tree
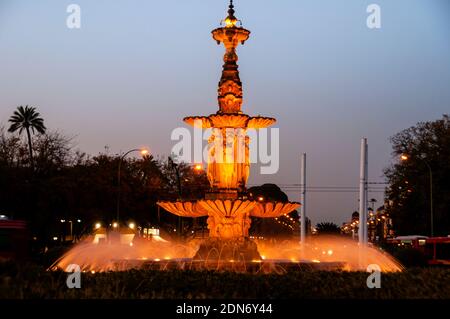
426, 146
27, 119
270, 227
68, 185
269, 192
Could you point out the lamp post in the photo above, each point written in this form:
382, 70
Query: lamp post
122, 157
404, 158
303, 199
175, 167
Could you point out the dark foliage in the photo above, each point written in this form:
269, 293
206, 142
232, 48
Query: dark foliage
65, 184
34, 282
327, 228
426, 145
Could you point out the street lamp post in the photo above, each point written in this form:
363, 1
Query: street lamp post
143, 153
405, 157
175, 167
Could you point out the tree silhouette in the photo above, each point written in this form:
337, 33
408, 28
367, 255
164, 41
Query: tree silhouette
427, 145
28, 119
327, 228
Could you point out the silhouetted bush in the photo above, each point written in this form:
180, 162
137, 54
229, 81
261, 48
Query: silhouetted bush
28, 281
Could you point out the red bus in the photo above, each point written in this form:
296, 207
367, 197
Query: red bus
13, 239
435, 249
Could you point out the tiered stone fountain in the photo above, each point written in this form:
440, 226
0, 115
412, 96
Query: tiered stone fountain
226, 204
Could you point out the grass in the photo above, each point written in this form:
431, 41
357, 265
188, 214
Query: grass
31, 281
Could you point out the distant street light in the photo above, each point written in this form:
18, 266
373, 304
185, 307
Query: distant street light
405, 157
144, 152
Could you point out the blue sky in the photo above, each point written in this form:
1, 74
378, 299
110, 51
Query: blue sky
136, 68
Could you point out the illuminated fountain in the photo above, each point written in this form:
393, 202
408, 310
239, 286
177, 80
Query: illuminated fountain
226, 204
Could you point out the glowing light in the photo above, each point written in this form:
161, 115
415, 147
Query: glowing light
98, 225
157, 259
55, 238
131, 225
404, 157
115, 225
63, 220
93, 272
144, 152
198, 167
78, 220
131, 244
230, 22
263, 257
330, 252
260, 198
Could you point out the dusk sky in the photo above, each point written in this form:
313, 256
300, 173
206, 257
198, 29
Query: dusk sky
136, 68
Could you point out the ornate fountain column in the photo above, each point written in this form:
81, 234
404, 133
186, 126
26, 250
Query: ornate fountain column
226, 204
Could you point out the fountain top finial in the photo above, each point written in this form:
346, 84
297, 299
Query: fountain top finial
230, 20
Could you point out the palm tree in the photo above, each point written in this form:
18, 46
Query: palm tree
27, 118
327, 228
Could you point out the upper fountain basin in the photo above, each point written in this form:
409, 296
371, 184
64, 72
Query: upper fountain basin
229, 208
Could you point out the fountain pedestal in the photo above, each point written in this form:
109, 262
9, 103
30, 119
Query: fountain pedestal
228, 250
